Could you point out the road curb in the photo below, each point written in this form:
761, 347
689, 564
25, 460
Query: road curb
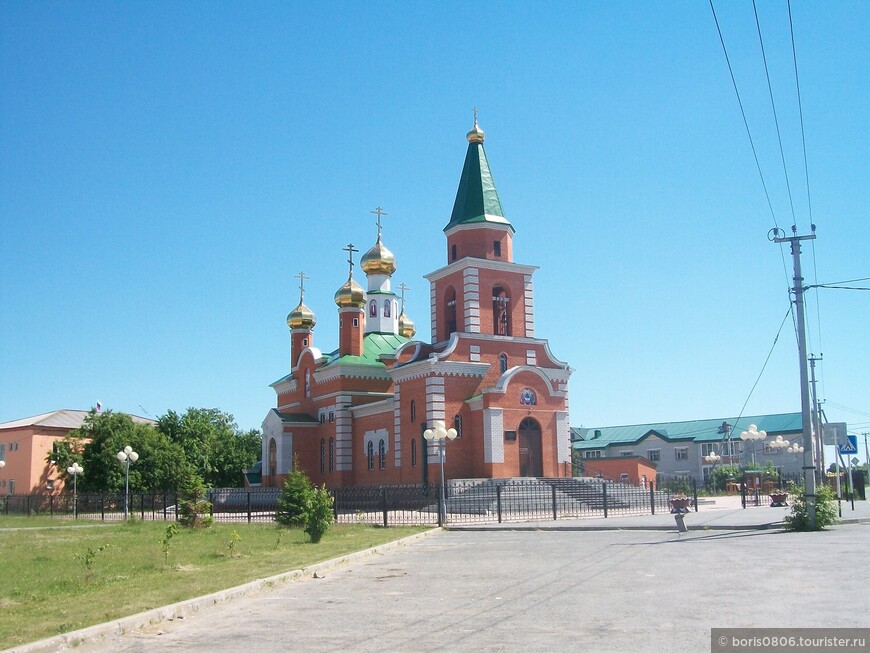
180, 610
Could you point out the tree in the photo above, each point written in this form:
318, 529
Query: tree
161, 464
320, 514
295, 500
213, 444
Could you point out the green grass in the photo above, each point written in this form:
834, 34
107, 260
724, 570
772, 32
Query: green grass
56, 578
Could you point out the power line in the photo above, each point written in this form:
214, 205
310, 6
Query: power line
745, 121
766, 360
775, 118
801, 112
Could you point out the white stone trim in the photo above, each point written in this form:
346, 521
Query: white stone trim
397, 426
375, 437
505, 379
474, 353
471, 299
479, 264
350, 371
528, 297
433, 311
433, 366
531, 357
493, 435
373, 408
563, 437
343, 436
434, 399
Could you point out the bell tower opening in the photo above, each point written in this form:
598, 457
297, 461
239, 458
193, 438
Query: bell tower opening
501, 314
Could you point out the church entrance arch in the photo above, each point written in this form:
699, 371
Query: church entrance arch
531, 459
273, 461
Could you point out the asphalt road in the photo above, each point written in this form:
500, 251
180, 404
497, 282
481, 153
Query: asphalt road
542, 591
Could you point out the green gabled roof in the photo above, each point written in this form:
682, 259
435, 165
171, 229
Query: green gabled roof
477, 198
296, 417
704, 430
255, 473
375, 345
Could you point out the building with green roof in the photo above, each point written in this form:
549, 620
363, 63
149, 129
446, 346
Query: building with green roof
681, 448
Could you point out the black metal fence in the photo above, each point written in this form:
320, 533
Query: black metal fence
470, 501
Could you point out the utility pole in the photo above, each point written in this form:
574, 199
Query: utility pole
777, 235
867, 456
817, 422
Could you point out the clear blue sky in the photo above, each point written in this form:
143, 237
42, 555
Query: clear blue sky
166, 168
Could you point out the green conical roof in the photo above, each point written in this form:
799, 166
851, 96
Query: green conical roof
477, 198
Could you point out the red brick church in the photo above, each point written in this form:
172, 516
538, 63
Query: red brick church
356, 416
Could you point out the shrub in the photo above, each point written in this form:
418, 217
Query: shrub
193, 510
826, 509
320, 514
295, 499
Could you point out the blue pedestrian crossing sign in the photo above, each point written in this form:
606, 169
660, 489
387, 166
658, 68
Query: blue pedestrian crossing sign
850, 447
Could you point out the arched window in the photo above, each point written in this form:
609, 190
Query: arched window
386, 308
382, 455
501, 314
502, 362
273, 461
413, 411
370, 452
449, 312
457, 424
307, 382
331, 455
322, 456
413, 453
373, 308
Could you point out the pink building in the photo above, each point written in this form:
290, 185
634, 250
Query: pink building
25, 445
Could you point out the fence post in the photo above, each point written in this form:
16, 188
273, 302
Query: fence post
164, 506
384, 506
142, 505
102, 507
248, 504
604, 496
743, 494
498, 501
51, 505
652, 498
555, 515
335, 504
695, 492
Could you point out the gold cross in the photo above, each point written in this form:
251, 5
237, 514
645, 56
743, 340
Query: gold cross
403, 288
350, 249
302, 277
474, 110
379, 211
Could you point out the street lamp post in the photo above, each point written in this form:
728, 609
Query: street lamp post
712, 458
126, 457
440, 434
753, 434
779, 445
74, 470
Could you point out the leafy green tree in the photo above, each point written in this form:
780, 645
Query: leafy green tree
295, 500
826, 509
320, 515
161, 464
213, 444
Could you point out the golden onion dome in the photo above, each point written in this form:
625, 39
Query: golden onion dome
378, 260
350, 294
301, 317
476, 134
406, 326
